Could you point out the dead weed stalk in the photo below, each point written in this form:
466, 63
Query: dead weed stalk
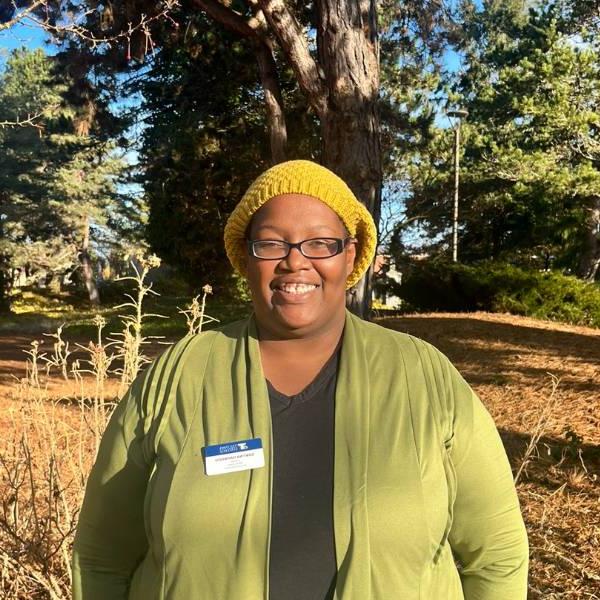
195, 314
540, 427
130, 341
45, 460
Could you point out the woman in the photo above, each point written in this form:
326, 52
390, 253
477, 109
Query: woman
301, 453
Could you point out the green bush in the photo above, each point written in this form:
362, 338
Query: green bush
500, 287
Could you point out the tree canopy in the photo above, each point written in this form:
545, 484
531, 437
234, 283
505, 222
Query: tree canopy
530, 184
204, 95
58, 180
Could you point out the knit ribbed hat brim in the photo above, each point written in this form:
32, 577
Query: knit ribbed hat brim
310, 179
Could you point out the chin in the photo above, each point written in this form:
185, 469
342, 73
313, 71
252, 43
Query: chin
297, 321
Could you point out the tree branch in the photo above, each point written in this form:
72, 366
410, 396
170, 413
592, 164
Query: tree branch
229, 18
24, 13
256, 29
85, 34
294, 45
30, 121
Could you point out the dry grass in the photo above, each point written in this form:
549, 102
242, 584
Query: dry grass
540, 381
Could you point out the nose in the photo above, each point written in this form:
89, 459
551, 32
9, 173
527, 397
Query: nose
295, 260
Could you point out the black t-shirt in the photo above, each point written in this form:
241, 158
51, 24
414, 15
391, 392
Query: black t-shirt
302, 561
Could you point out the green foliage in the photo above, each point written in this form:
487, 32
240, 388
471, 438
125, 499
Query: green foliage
57, 179
413, 37
530, 182
205, 140
199, 149
500, 287
204, 135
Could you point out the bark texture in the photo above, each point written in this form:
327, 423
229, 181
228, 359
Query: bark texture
87, 267
273, 102
5, 279
348, 49
589, 264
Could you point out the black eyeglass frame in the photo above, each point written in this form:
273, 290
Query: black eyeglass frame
341, 244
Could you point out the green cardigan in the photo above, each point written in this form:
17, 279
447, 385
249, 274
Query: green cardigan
420, 475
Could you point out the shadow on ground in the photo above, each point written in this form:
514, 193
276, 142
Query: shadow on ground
561, 452
493, 352
13, 355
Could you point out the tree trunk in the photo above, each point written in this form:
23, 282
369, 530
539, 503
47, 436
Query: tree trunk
54, 283
256, 30
273, 102
349, 53
341, 87
4, 298
87, 267
5, 280
589, 264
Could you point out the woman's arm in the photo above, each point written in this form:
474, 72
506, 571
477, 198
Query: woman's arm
110, 540
488, 535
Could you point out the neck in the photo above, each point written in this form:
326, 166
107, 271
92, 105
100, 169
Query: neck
319, 343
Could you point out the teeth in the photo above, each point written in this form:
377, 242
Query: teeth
297, 288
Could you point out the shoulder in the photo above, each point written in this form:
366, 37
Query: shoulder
390, 345
162, 373
421, 367
203, 343
171, 379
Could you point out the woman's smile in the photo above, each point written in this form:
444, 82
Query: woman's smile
294, 293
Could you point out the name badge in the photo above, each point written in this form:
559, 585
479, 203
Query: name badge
233, 456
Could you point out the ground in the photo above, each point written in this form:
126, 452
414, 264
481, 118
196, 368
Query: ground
539, 380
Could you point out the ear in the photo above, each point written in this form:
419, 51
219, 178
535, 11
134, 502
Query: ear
350, 256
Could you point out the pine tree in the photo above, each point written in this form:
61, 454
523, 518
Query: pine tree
58, 185
203, 140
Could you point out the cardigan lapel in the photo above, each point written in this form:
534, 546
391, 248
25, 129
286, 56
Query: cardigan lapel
351, 525
252, 410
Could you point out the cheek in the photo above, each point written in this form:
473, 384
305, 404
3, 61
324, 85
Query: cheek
335, 274
259, 277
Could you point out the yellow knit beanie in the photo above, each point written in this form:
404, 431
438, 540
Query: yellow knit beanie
308, 178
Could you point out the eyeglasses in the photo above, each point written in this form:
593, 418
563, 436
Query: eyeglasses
312, 248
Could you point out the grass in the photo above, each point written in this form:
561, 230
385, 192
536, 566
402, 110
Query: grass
43, 311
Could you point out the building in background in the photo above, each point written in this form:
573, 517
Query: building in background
384, 271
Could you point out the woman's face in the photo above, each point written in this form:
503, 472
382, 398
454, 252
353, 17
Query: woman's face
279, 311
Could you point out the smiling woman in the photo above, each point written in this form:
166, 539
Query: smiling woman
297, 297
301, 453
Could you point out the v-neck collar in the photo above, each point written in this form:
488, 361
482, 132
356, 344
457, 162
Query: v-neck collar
321, 379
351, 436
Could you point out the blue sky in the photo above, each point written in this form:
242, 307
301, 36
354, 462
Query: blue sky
22, 35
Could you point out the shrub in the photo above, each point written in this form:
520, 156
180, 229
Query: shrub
501, 287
